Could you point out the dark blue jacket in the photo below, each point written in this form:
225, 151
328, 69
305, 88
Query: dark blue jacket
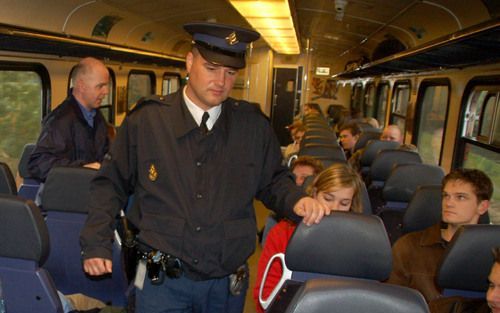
67, 140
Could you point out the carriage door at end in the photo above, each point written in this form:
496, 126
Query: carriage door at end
286, 92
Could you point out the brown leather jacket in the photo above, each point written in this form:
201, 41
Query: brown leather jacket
416, 257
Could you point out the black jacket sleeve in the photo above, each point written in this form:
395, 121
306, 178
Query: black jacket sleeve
111, 187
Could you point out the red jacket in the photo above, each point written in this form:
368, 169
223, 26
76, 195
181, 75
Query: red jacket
276, 242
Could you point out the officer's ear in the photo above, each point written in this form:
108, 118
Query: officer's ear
189, 61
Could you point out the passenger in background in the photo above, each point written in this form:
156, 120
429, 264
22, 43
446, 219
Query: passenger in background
304, 167
195, 160
337, 187
390, 133
416, 256
312, 108
349, 135
75, 133
297, 134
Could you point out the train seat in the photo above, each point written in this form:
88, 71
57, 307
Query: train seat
343, 244
384, 162
365, 136
404, 180
326, 140
7, 181
322, 151
65, 197
24, 248
399, 189
340, 296
29, 186
372, 148
467, 261
424, 209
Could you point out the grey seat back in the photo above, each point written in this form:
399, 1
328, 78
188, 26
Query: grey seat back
65, 198
344, 244
24, 247
365, 136
372, 148
341, 296
7, 181
424, 209
468, 259
385, 160
405, 178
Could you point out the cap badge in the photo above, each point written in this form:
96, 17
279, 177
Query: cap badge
153, 174
232, 39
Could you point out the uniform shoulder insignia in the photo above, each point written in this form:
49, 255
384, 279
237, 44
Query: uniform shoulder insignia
154, 99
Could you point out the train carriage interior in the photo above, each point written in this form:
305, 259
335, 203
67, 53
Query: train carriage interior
431, 67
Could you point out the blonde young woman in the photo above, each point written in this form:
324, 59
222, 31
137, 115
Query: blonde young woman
337, 187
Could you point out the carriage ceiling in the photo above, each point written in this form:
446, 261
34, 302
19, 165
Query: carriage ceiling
332, 36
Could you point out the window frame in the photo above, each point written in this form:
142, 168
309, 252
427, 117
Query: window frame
152, 77
460, 139
392, 113
385, 105
170, 74
419, 107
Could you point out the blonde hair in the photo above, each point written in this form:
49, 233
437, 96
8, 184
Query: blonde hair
339, 176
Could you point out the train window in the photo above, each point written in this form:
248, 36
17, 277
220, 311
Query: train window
140, 84
382, 96
400, 99
357, 98
369, 106
171, 83
24, 90
107, 104
432, 109
479, 142
482, 108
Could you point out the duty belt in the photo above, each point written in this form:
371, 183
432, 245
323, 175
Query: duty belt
158, 263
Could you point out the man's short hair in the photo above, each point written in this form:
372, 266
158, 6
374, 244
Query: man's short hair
496, 254
353, 128
308, 161
481, 183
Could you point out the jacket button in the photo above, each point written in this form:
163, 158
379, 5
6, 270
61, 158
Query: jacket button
199, 196
195, 261
198, 229
198, 164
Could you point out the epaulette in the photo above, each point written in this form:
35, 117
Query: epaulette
153, 99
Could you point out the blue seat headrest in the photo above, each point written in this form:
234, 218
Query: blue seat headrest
468, 258
341, 295
67, 189
23, 233
23, 162
386, 159
343, 244
405, 178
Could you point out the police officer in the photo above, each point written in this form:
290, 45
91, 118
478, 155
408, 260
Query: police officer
195, 160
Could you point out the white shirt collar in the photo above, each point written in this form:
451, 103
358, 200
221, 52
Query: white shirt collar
197, 112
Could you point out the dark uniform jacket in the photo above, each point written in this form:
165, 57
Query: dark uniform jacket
67, 140
415, 260
195, 191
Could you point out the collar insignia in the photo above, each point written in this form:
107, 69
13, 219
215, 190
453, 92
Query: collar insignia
232, 39
153, 174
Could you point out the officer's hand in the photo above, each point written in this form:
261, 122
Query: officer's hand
97, 266
95, 165
311, 210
